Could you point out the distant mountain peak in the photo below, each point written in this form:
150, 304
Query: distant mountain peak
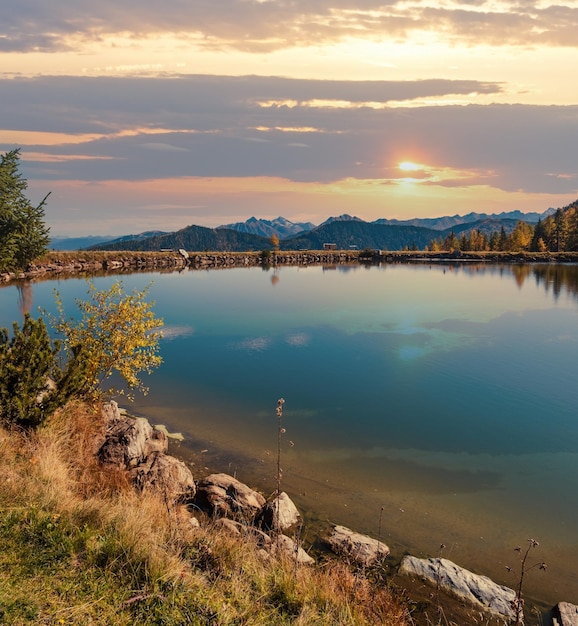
342, 218
280, 227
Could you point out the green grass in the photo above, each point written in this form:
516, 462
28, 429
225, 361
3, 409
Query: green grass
56, 572
79, 546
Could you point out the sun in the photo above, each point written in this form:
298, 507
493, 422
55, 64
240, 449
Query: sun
409, 166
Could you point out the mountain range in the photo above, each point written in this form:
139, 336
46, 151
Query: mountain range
442, 223
93, 241
345, 231
280, 227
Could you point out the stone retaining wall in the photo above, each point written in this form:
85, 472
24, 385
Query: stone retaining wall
250, 259
134, 261
129, 261
96, 263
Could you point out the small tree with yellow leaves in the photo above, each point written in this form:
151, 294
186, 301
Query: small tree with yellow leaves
116, 332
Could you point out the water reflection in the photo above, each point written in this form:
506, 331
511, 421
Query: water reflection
557, 278
446, 390
25, 298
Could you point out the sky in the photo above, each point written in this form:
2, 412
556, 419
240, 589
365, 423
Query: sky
140, 115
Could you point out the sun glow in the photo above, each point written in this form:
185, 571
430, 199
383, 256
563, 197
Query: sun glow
409, 166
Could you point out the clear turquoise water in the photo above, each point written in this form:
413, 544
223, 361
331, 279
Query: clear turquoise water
444, 394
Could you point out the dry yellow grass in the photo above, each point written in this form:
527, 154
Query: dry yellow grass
82, 547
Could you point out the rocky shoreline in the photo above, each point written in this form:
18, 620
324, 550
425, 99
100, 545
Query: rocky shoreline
133, 445
66, 264
58, 264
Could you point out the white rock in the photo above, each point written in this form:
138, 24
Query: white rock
567, 614
362, 549
478, 590
280, 513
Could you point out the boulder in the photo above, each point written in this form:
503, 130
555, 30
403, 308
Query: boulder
478, 590
281, 544
167, 475
128, 441
565, 614
225, 496
360, 548
279, 513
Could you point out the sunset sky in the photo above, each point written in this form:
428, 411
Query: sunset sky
140, 115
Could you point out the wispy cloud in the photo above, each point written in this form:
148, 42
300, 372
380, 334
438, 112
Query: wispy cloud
257, 26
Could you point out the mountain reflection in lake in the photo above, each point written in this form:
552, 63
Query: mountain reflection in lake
445, 393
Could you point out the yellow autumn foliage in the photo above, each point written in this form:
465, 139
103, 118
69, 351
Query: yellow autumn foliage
116, 332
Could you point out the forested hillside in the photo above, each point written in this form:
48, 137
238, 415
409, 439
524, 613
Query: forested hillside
193, 238
362, 235
555, 233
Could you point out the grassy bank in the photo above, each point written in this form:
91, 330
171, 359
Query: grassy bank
79, 546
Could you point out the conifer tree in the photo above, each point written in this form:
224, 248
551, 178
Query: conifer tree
451, 242
538, 243
23, 234
494, 242
503, 240
572, 243
560, 230
521, 237
33, 381
27, 362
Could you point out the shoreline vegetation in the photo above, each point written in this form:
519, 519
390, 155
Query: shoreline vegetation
60, 263
82, 545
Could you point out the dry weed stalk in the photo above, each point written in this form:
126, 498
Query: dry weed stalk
518, 602
280, 432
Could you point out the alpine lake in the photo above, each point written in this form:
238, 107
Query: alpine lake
425, 403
